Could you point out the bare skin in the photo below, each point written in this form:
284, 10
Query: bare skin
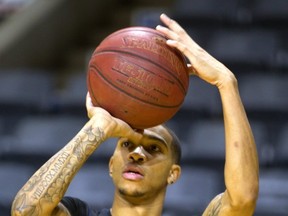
44, 190
148, 152
241, 164
151, 156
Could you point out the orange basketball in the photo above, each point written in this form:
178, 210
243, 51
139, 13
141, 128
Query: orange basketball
137, 77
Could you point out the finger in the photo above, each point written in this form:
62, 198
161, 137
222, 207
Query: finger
137, 134
178, 45
88, 100
191, 70
167, 32
90, 106
172, 24
127, 131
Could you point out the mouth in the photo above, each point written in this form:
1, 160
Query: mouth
133, 173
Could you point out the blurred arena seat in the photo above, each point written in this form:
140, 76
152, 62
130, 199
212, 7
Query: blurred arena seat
104, 151
203, 147
244, 48
201, 97
264, 92
12, 177
205, 10
267, 12
25, 88
93, 185
281, 147
273, 195
74, 90
193, 191
257, 52
43, 136
205, 142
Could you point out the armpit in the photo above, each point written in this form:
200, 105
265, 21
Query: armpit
214, 206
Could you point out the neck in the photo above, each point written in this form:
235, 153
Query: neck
137, 207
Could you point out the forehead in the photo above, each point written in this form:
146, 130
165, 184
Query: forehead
159, 132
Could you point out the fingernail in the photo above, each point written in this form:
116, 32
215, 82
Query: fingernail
164, 15
169, 41
159, 27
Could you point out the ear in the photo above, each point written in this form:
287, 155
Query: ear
174, 175
111, 166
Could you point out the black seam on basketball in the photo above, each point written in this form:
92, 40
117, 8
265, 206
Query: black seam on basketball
127, 93
136, 88
118, 71
141, 29
147, 59
146, 71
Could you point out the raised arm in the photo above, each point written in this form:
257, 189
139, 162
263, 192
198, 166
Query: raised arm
45, 189
241, 162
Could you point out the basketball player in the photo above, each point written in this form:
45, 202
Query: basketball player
145, 162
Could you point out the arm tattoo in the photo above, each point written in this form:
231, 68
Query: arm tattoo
214, 211
214, 207
49, 184
92, 137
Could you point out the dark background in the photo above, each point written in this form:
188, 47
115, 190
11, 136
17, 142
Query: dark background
45, 47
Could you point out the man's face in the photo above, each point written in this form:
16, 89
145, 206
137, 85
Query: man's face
141, 168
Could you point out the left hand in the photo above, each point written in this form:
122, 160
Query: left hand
112, 126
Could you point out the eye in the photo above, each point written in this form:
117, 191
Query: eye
154, 148
126, 144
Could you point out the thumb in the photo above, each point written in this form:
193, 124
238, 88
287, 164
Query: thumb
123, 129
191, 70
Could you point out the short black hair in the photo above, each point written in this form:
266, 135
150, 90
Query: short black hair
175, 146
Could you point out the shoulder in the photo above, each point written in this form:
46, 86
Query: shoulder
75, 206
78, 207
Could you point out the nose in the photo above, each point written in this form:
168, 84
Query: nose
138, 154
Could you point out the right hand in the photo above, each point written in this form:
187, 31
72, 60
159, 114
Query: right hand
202, 63
113, 127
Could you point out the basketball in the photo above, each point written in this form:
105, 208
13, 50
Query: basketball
137, 77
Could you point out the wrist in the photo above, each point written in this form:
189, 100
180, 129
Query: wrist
93, 133
227, 82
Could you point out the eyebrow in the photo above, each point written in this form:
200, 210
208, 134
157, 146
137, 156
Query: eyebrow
157, 138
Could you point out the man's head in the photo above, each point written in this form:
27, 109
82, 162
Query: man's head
143, 168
